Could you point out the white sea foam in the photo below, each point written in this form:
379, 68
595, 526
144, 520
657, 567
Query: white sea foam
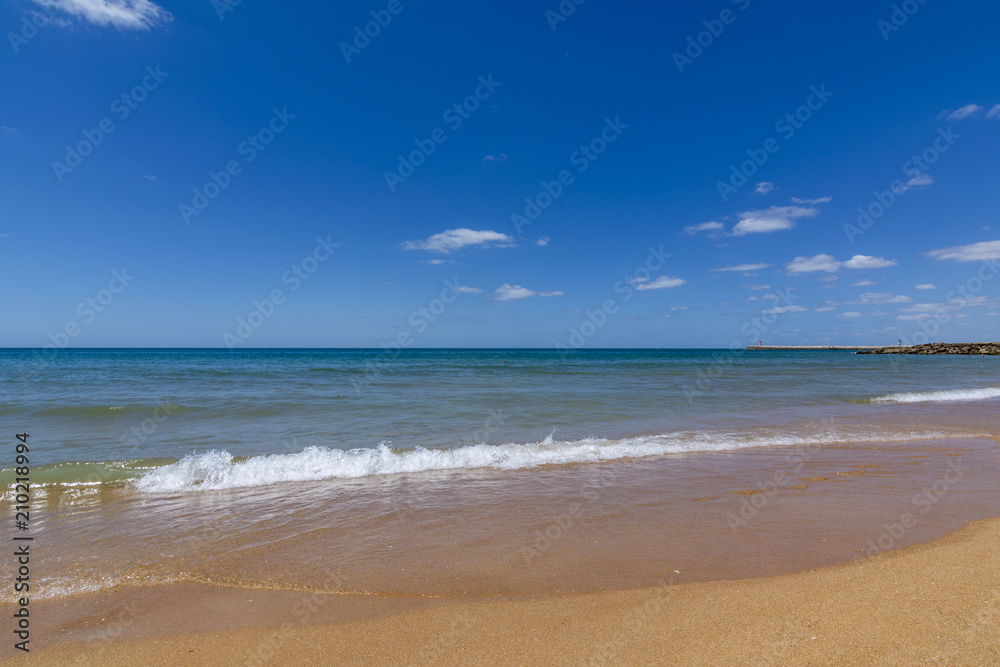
217, 469
941, 396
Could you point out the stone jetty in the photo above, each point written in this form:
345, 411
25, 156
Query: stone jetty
937, 348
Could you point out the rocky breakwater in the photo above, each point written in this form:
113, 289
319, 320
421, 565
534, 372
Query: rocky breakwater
937, 348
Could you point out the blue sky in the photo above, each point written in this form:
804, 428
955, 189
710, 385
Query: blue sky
513, 174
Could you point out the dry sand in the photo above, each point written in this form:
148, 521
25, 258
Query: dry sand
936, 603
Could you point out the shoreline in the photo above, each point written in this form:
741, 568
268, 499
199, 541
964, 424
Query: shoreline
806, 541
935, 601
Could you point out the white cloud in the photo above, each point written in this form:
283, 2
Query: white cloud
758, 287
512, 292
773, 219
926, 286
127, 14
469, 290
965, 112
495, 158
994, 112
661, 283
918, 179
849, 315
703, 227
544, 241
879, 298
825, 309
868, 262
864, 283
9, 129
743, 267
454, 239
914, 318
764, 187
971, 302
969, 253
810, 264
819, 200
780, 310
679, 308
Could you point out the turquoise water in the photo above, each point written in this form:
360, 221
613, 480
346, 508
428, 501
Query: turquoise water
356, 413
431, 472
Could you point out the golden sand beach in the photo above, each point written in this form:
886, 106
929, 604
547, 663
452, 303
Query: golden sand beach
936, 603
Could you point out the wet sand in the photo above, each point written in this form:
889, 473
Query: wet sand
934, 603
703, 559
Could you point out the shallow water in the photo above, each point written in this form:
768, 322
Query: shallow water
469, 473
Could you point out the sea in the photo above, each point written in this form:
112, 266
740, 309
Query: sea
479, 472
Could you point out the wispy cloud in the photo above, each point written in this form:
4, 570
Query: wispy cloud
772, 219
764, 187
819, 200
495, 158
967, 111
544, 241
968, 253
9, 129
743, 267
918, 179
868, 262
662, 282
820, 262
781, 310
864, 283
513, 292
463, 289
994, 112
455, 239
849, 315
926, 286
122, 14
712, 226
880, 298
924, 310
830, 264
